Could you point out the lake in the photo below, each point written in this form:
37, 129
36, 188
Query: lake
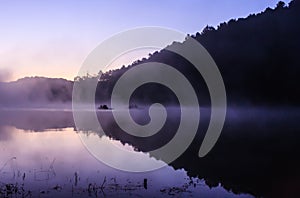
43, 154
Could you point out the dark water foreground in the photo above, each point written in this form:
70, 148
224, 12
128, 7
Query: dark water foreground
257, 155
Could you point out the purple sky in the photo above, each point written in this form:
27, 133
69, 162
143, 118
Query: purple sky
52, 38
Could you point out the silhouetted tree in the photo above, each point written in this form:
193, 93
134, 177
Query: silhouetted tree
280, 5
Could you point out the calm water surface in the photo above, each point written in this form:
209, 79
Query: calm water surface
42, 156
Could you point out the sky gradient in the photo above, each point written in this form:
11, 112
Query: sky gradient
52, 38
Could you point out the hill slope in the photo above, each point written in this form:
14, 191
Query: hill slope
257, 57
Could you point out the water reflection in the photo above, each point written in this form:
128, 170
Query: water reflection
257, 153
42, 155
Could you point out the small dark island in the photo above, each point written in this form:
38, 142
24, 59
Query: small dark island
104, 107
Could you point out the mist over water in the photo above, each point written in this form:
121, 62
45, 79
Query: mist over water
258, 144
45, 147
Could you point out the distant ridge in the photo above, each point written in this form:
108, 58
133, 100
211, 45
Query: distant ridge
35, 90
